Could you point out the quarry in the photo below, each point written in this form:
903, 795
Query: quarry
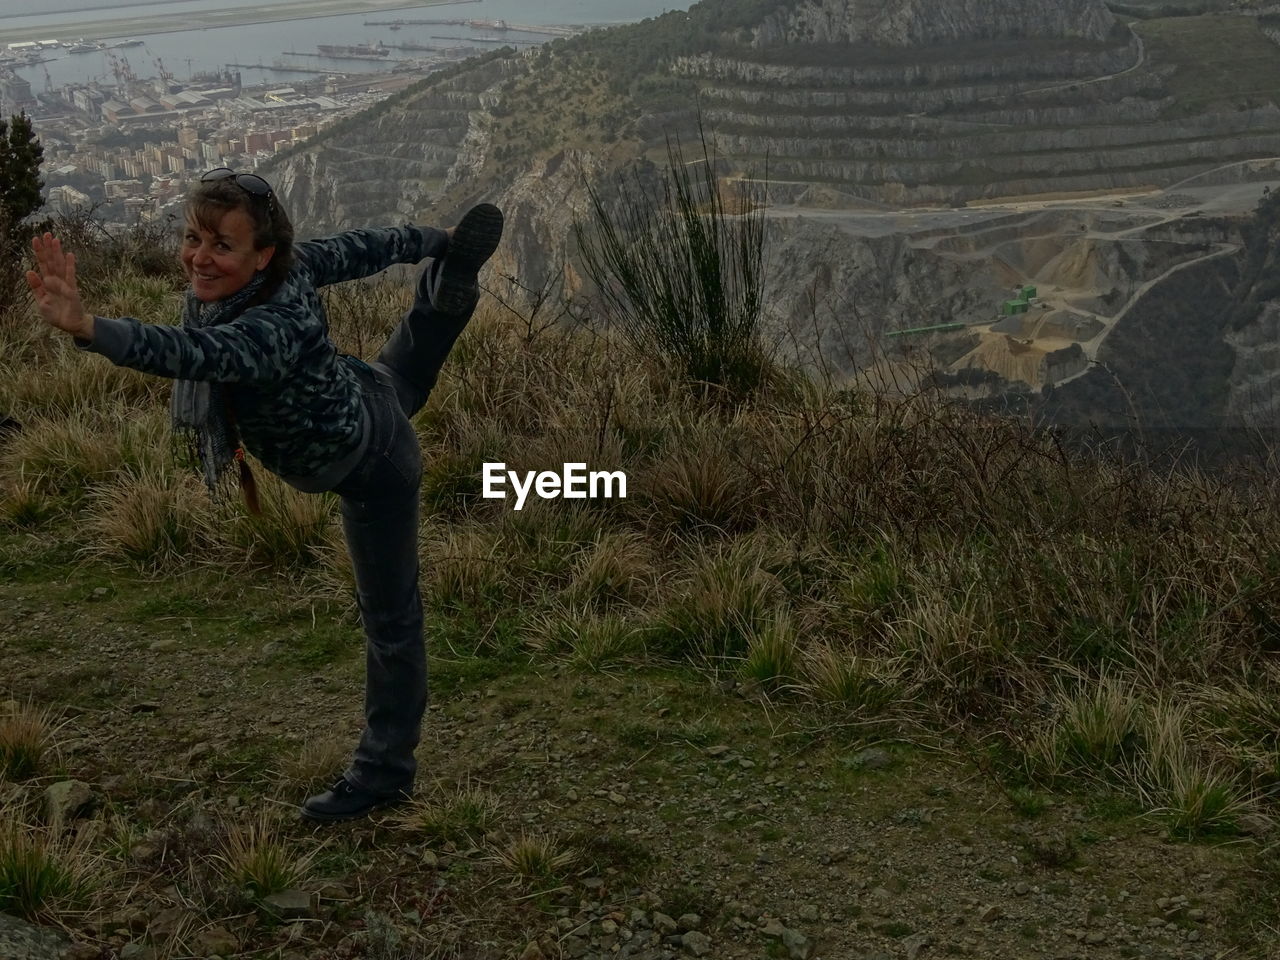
922, 163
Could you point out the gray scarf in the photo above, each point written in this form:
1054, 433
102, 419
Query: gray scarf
198, 409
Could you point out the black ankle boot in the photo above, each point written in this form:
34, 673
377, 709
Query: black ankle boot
345, 801
473, 242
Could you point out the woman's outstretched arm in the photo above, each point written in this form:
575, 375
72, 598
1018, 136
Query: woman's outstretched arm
364, 252
261, 346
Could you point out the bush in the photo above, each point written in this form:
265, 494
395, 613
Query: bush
682, 274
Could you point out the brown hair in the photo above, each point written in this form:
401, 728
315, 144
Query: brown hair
209, 200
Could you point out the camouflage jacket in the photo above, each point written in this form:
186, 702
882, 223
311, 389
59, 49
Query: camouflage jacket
296, 403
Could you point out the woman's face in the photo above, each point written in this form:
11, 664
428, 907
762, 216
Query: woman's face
219, 262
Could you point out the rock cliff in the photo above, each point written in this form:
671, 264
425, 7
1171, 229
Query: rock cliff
917, 23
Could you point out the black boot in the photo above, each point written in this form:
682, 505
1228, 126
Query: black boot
473, 242
345, 801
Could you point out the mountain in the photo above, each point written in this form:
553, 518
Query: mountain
861, 113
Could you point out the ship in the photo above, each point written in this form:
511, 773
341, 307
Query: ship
84, 48
125, 43
358, 50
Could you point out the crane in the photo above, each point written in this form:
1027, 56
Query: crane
165, 75
116, 69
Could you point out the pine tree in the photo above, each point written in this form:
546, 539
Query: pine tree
20, 156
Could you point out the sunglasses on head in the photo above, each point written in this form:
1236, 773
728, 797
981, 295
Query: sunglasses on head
248, 182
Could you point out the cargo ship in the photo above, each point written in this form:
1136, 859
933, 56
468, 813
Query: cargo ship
359, 50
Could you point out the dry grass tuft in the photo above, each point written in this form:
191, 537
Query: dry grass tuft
293, 533
841, 678
727, 598
1193, 796
460, 815
257, 858
147, 520
40, 873
535, 859
317, 762
616, 568
26, 737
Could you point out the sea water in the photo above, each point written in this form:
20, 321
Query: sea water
192, 51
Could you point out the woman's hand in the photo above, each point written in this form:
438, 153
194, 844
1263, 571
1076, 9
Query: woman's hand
54, 286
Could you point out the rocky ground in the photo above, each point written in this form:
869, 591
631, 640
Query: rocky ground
690, 817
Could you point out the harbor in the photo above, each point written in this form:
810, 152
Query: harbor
271, 45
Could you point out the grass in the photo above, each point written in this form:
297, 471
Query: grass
452, 815
862, 561
536, 860
40, 873
256, 858
26, 737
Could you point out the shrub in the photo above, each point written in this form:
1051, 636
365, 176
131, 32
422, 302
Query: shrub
682, 274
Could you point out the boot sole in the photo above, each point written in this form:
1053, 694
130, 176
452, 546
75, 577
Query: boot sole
321, 817
473, 242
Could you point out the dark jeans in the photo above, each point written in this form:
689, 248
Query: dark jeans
379, 508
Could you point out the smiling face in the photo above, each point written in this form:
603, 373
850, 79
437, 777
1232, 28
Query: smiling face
220, 261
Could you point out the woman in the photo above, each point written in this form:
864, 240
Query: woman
254, 363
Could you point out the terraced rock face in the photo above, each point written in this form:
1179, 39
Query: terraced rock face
907, 102
914, 23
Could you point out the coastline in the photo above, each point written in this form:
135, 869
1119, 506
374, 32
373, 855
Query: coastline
103, 29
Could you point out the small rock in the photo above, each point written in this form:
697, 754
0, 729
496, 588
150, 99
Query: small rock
914, 945
799, 947
1022, 888
68, 800
218, 940
1096, 937
663, 924
290, 905
167, 922
532, 952
774, 929
696, 943
689, 921
873, 758
430, 859
100, 591
136, 951
164, 644
146, 706
18, 938
719, 750
989, 913
608, 927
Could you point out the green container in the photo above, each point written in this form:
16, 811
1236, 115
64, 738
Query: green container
1028, 292
1020, 306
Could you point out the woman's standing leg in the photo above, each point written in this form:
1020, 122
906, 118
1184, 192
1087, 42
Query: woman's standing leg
379, 509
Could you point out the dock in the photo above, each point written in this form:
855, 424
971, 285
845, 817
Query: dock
546, 30
341, 56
